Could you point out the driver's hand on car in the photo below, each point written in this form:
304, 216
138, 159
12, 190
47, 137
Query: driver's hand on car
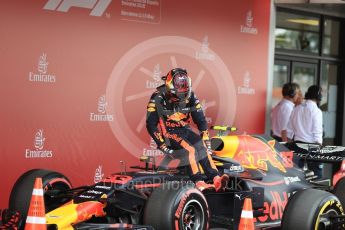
167, 151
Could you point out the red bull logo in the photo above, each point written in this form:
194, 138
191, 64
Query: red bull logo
177, 117
67, 215
251, 152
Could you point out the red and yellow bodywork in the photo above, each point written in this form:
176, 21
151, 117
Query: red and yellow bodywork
69, 214
250, 152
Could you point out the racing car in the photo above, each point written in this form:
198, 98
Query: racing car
163, 197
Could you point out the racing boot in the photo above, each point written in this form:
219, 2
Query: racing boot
220, 182
202, 185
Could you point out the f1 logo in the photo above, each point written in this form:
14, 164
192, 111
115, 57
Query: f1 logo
98, 6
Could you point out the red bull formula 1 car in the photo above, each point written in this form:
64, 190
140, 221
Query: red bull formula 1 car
163, 198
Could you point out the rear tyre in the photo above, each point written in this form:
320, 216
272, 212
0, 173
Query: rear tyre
177, 206
21, 192
339, 190
310, 209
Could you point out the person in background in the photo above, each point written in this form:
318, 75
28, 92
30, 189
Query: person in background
281, 112
305, 124
171, 108
300, 98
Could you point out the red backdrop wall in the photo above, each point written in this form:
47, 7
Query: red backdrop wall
76, 77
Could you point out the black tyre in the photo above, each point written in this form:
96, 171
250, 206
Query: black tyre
21, 192
310, 209
339, 191
177, 206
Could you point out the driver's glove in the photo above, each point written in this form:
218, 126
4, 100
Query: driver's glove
166, 150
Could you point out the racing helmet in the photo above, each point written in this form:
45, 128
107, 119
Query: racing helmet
178, 85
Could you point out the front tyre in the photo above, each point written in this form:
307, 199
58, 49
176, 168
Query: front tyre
177, 206
311, 209
22, 190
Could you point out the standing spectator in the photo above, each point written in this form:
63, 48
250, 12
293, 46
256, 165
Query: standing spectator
300, 98
282, 111
305, 125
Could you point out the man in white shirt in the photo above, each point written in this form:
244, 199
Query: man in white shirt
281, 112
305, 124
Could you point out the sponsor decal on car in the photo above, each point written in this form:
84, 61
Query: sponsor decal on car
103, 187
319, 157
274, 210
289, 180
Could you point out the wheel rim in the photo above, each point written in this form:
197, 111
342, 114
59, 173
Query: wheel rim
324, 221
192, 215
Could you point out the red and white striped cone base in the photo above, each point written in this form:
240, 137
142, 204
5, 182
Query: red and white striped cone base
247, 219
36, 219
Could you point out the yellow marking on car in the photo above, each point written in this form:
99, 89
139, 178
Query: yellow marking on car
63, 216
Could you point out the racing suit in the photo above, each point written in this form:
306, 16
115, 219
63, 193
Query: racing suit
175, 132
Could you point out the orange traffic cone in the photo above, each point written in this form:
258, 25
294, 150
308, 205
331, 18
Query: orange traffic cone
36, 219
247, 220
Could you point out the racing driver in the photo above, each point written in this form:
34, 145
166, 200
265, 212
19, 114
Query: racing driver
169, 113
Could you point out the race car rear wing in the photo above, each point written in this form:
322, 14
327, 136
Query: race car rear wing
313, 152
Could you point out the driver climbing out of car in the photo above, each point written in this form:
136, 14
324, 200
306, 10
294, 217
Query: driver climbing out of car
169, 113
